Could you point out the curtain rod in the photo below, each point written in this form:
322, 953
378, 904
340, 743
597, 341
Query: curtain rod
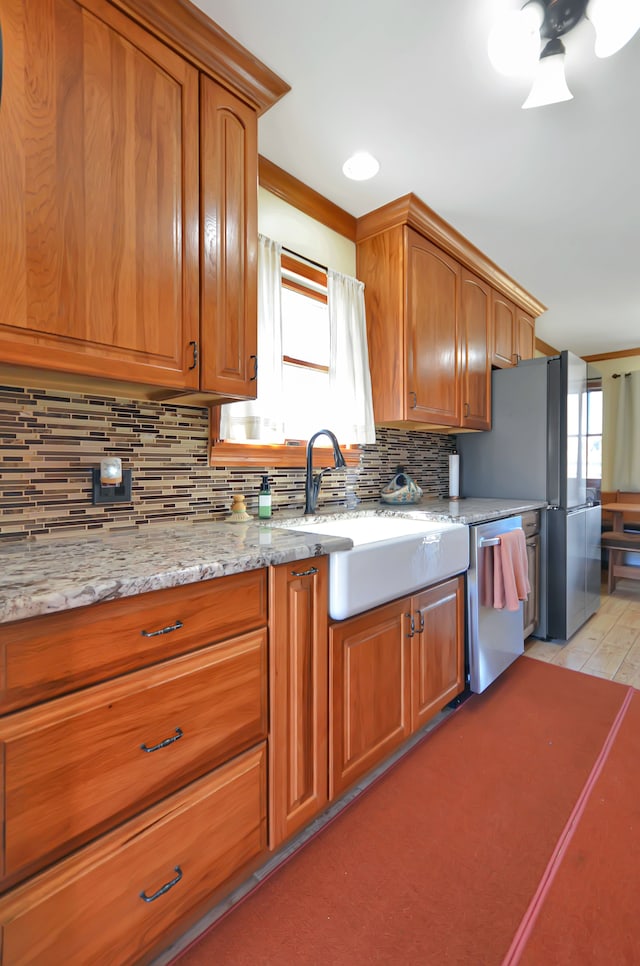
303, 258
618, 375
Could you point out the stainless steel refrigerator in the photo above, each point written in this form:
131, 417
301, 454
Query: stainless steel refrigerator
536, 449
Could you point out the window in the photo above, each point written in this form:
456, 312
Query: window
594, 434
305, 376
305, 347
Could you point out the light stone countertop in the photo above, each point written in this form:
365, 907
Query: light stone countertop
45, 576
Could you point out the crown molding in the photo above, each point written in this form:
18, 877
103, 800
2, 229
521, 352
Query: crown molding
410, 210
301, 196
188, 30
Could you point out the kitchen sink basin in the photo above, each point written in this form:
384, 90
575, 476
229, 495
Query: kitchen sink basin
391, 557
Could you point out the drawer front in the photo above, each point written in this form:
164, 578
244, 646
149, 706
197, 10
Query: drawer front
57, 653
76, 766
90, 907
531, 522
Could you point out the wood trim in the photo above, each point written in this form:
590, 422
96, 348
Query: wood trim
196, 37
546, 349
410, 210
283, 457
305, 365
222, 453
302, 268
303, 290
301, 196
621, 354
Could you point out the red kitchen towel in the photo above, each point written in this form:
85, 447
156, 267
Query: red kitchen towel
510, 571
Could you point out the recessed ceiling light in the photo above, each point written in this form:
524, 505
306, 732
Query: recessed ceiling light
360, 166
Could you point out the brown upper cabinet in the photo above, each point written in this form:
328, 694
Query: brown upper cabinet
430, 303
513, 332
128, 185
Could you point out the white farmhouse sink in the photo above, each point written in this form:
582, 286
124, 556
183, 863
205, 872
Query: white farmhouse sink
391, 557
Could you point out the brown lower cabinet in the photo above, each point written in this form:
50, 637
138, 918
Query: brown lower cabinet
133, 755
531, 608
298, 785
114, 900
391, 670
152, 748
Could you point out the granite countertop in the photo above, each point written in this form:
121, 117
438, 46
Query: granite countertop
41, 577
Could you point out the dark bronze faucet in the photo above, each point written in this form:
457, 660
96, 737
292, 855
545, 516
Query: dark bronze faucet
312, 483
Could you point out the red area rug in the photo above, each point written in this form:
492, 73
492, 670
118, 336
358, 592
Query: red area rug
440, 861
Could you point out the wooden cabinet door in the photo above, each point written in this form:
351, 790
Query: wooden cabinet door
298, 665
99, 196
369, 688
437, 649
433, 360
525, 335
503, 316
475, 330
531, 606
229, 186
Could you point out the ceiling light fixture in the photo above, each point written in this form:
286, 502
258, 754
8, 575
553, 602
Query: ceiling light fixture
360, 166
516, 38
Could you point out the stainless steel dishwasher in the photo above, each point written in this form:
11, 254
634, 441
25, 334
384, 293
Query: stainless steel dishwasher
495, 637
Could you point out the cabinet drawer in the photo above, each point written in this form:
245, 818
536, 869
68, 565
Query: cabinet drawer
90, 907
57, 653
75, 766
531, 522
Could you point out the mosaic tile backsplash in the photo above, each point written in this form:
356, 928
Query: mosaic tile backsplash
51, 440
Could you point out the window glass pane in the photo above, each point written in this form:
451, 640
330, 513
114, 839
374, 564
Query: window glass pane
305, 328
595, 412
307, 393
594, 458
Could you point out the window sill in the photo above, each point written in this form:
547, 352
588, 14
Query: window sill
243, 454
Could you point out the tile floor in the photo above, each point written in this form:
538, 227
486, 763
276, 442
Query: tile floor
608, 645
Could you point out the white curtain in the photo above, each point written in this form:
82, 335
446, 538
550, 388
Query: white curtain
626, 454
262, 419
349, 376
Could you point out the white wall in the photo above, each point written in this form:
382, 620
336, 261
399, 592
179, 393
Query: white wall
304, 235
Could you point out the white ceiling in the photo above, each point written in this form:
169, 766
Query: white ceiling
552, 195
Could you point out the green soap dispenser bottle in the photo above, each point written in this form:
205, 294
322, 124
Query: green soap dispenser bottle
264, 499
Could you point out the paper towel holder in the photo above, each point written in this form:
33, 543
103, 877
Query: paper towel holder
454, 477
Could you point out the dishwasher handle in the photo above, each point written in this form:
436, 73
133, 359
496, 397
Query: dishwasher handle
489, 542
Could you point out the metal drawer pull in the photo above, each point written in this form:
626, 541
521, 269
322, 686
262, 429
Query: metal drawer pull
304, 573
167, 741
489, 542
421, 616
163, 630
165, 888
412, 626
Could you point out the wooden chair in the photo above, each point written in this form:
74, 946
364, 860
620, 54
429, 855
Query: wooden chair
618, 543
